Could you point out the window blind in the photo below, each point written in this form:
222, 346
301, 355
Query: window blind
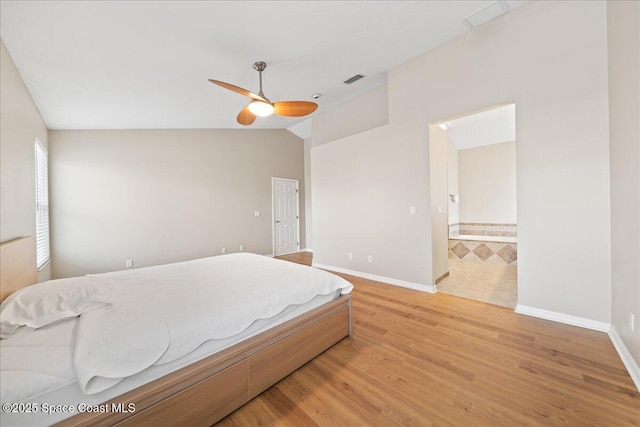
42, 207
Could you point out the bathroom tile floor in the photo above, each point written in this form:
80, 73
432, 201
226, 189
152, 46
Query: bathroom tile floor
481, 281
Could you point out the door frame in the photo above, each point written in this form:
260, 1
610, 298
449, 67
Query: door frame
273, 212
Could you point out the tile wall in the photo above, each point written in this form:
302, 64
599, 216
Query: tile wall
495, 252
483, 229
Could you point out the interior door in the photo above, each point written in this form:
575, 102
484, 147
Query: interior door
286, 237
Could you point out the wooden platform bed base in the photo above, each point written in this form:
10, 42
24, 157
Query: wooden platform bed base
207, 391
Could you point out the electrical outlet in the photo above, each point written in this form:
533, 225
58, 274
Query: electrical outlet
412, 210
350, 255
632, 321
224, 250
256, 213
128, 263
241, 248
370, 258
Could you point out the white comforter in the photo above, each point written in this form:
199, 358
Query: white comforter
159, 314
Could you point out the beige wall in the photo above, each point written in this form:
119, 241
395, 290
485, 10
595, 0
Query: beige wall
363, 188
558, 80
453, 187
307, 195
365, 112
158, 196
438, 174
20, 125
487, 184
624, 112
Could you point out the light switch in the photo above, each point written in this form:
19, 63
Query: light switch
256, 213
412, 210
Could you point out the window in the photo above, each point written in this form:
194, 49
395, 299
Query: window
42, 206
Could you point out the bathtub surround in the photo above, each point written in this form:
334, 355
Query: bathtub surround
502, 253
483, 229
494, 243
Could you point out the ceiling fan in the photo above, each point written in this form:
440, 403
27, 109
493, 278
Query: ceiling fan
260, 104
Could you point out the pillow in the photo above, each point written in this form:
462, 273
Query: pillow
47, 302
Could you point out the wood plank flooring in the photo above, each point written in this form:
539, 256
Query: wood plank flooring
427, 360
300, 257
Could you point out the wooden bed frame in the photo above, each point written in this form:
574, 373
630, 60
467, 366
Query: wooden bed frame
17, 265
210, 389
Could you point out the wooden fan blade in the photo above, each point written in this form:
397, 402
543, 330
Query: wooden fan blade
294, 108
246, 117
239, 90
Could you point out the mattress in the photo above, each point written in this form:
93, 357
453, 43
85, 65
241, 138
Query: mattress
39, 365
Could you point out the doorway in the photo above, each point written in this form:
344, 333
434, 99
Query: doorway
286, 219
480, 207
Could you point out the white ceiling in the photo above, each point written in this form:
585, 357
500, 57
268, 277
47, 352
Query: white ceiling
145, 64
485, 128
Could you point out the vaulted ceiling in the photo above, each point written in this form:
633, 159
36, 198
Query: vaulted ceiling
492, 126
145, 64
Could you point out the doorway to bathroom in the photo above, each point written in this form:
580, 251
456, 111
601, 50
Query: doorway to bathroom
480, 209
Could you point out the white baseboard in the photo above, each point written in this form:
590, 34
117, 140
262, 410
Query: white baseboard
432, 289
629, 363
307, 250
627, 360
563, 318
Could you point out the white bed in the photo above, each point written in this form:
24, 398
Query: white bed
42, 369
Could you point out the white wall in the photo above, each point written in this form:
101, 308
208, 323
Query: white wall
624, 112
365, 112
158, 196
453, 186
487, 184
20, 125
363, 188
558, 79
307, 195
438, 174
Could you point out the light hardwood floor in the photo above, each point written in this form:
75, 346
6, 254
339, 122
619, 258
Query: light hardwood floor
305, 258
421, 359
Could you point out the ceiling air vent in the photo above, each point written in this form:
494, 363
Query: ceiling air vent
353, 79
486, 14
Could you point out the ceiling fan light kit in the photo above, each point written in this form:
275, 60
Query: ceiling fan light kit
261, 109
260, 106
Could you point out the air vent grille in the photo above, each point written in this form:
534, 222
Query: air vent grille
353, 79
